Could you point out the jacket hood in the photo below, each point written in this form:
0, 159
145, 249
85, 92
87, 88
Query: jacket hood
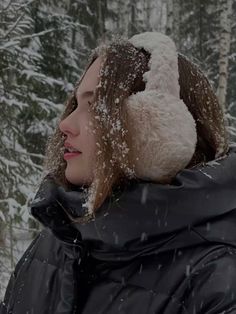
145, 217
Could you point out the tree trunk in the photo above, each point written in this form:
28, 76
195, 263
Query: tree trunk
101, 18
224, 45
173, 20
2, 233
176, 29
132, 25
201, 32
73, 31
147, 9
169, 17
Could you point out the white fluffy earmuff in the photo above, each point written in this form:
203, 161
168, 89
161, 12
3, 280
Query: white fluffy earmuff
163, 131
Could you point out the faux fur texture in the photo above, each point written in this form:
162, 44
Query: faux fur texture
162, 129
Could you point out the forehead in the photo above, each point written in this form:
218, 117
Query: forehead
91, 77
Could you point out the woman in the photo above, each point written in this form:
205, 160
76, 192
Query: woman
139, 206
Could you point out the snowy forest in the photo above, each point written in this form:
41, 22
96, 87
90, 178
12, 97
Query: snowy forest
44, 46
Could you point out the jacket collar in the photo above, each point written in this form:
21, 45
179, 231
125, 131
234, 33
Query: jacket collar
199, 205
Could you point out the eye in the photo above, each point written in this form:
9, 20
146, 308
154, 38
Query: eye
74, 103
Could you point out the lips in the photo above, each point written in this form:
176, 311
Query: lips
70, 151
71, 155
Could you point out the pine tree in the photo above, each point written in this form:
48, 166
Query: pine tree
43, 50
200, 39
17, 164
41, 61
92, 15
231, 90
224, 49
18, 169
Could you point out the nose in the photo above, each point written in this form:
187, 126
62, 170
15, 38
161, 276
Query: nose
68, 125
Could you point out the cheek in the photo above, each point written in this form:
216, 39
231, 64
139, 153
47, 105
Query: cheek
90, 138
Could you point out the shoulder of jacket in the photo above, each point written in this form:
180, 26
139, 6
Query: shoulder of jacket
42, 260
49, 249
45, 248
212, 283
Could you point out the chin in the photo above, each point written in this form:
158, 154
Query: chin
73, 180
76, 179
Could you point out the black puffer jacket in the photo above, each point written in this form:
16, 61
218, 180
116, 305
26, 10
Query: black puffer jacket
151, 249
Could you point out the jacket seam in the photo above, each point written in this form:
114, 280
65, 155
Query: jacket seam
47, 263
154, 292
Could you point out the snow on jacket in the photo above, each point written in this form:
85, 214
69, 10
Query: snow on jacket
151, 248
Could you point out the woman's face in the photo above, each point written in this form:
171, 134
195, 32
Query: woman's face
78, 132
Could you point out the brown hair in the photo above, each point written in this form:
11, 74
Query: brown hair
121, 75
198, 95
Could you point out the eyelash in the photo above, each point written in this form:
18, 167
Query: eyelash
75, 103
